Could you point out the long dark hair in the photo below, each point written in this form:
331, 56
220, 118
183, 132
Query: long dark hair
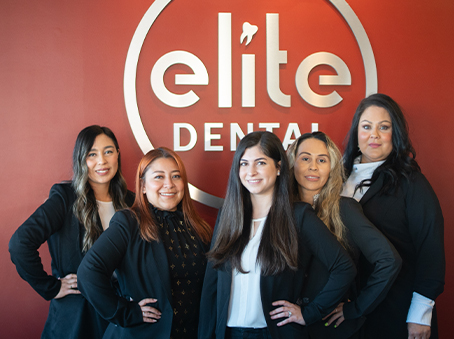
327, 205
147, 222
400, 163
278, 248
85, 207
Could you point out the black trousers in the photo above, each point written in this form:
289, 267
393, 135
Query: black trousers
246, 332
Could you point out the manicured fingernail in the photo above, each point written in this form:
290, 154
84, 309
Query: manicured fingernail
326, 324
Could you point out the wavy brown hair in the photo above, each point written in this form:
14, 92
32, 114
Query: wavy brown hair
85, 207
327, 204
147, 222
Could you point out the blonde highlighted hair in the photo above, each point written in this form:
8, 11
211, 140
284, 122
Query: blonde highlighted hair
327, 204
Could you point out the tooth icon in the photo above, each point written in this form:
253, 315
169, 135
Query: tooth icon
248, 31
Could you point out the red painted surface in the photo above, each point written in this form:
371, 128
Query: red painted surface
61, 69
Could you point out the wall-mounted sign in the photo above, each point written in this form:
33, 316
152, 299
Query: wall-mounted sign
199, 75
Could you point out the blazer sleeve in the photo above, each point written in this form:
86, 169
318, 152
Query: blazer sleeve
25, 242
208, 301
323, 245
426, 227
95, 271
378, 251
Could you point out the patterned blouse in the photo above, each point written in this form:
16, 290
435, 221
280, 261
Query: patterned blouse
187, 263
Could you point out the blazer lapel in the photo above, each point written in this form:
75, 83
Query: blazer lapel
160, 257
266, 291
373, 190
224, 288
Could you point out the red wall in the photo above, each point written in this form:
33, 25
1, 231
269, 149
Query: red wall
61, 69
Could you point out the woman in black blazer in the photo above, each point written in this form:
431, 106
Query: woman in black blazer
157, 249
261, 250
387, 181
71, 220
317, 177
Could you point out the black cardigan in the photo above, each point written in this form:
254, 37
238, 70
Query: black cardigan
54, 222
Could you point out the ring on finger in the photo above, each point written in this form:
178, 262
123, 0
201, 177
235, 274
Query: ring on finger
289, 314
335, 310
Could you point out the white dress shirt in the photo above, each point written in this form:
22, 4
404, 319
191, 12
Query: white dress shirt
359, 173
245, 307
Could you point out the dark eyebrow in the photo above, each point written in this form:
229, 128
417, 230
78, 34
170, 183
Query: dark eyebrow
319, 155
370, 122
95, 149
258, 159
159, 171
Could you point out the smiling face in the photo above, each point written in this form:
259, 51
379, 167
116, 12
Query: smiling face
258, 172
312, 168
163, 184
102, 161
375, 134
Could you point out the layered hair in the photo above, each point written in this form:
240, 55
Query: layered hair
148, 225
278, 248
327, 204
400, 163
85, 207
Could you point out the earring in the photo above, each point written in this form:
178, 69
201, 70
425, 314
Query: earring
278, 172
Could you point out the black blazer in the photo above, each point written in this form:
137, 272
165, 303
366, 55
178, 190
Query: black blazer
54, 222
362, 238
142, 271
314, 239
412, 220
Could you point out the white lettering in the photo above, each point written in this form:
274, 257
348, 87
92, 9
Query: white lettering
224, 60
292, 128
343, 77
209, 136
269, 126
274, 58
200, 77
236, 131
176, 137
248, 80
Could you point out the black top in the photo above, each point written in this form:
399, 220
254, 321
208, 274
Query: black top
187, 264
314, 240
143, 271
54, 222
362, 237
412, 220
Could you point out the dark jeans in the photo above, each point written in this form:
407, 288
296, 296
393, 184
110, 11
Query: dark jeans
245, 332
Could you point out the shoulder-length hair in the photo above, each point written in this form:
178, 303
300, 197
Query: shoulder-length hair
278, 248
400, 163
327, 204
85, 207
147, 223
